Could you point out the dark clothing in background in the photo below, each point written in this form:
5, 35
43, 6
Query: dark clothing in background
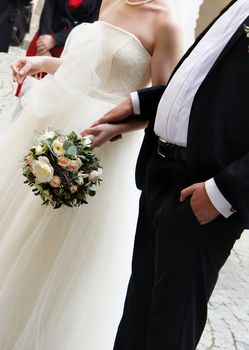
7, 17
58, 18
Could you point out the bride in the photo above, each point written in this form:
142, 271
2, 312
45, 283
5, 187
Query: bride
63, 273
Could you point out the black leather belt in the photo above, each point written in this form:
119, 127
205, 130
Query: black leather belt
171, 152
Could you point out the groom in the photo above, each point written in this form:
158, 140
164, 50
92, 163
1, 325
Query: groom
193, 169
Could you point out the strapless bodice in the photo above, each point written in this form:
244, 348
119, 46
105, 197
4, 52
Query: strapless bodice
115, 59
100, 61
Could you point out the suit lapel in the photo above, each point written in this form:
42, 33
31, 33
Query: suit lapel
237, 35
198, 39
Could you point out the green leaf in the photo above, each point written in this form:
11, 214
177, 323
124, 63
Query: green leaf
72, 136
72, 151
92, 190
67, 144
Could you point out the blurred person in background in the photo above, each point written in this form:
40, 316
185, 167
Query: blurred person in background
58, 18
8, 13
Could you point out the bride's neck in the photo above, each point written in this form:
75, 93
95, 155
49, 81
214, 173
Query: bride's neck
105, 5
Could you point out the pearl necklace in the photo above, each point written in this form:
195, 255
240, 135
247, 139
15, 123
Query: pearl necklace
137, 3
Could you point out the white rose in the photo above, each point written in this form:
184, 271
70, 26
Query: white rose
84, 176
48, 135
80, 181
95, 175
42, 170
57, 147
38, 150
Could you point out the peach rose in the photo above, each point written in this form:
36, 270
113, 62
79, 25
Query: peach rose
55, 182
63, 161
29, 159
73, 166
73, 189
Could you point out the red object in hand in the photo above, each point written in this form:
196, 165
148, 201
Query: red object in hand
74, 3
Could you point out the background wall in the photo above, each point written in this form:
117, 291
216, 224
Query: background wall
209, 9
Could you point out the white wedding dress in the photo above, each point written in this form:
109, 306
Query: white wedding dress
64, 272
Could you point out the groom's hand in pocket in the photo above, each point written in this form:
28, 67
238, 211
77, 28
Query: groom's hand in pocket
202, 207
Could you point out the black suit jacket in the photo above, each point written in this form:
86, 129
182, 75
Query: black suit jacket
7, 17
58, 18
218, 133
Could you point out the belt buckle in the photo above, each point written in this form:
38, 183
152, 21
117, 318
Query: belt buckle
160, 143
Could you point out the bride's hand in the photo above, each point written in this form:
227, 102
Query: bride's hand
117, 114
26, 66
102, 133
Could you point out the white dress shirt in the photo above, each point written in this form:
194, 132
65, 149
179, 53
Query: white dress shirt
174, 109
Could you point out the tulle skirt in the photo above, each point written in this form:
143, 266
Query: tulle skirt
64, 272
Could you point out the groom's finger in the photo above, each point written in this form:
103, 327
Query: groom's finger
186, 192
113, 116
116, 138
117, 114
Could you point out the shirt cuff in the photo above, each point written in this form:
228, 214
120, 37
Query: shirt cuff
135, 103
217, 199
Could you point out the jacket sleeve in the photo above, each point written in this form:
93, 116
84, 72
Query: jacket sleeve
25, 2
85, 16
46, 19
149, 99
61, 37
233, 183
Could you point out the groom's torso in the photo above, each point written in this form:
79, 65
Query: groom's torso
219, 120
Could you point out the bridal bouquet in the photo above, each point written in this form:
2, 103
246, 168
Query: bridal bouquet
62, 169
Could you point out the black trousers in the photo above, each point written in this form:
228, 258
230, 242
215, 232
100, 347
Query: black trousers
175, 265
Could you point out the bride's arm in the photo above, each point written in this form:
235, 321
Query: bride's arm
167, 50
34, 65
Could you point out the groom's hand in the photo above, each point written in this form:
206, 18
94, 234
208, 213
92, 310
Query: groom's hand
201, 205
117, 114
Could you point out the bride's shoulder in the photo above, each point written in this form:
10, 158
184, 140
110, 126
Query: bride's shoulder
167, 17
167, 28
